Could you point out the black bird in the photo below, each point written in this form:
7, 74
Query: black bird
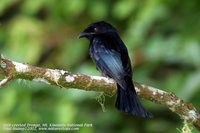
111, 58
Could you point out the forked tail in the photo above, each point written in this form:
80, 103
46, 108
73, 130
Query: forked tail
128, 102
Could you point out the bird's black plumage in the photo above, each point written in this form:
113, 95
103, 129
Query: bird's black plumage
111, 58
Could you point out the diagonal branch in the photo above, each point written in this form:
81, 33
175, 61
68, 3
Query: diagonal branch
65, 79
4, 81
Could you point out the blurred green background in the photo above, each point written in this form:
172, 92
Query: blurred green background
163, 39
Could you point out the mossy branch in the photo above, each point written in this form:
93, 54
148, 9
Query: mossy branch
65, 79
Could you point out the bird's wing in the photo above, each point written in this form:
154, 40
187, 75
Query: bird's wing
108, 61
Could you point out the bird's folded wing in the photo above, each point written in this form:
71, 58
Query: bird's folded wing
109, 62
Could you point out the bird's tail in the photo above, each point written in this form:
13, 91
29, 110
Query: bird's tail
128, 102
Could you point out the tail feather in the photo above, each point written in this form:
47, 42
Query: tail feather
128, 102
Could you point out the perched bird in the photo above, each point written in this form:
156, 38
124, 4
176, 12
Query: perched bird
110, 55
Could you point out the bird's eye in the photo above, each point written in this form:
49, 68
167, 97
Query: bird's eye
95, 29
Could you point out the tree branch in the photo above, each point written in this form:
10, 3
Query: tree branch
65, 79
4, 81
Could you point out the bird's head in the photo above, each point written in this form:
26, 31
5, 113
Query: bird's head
97, 28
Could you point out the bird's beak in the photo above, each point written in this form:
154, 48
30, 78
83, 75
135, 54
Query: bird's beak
85, 34
82, 34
